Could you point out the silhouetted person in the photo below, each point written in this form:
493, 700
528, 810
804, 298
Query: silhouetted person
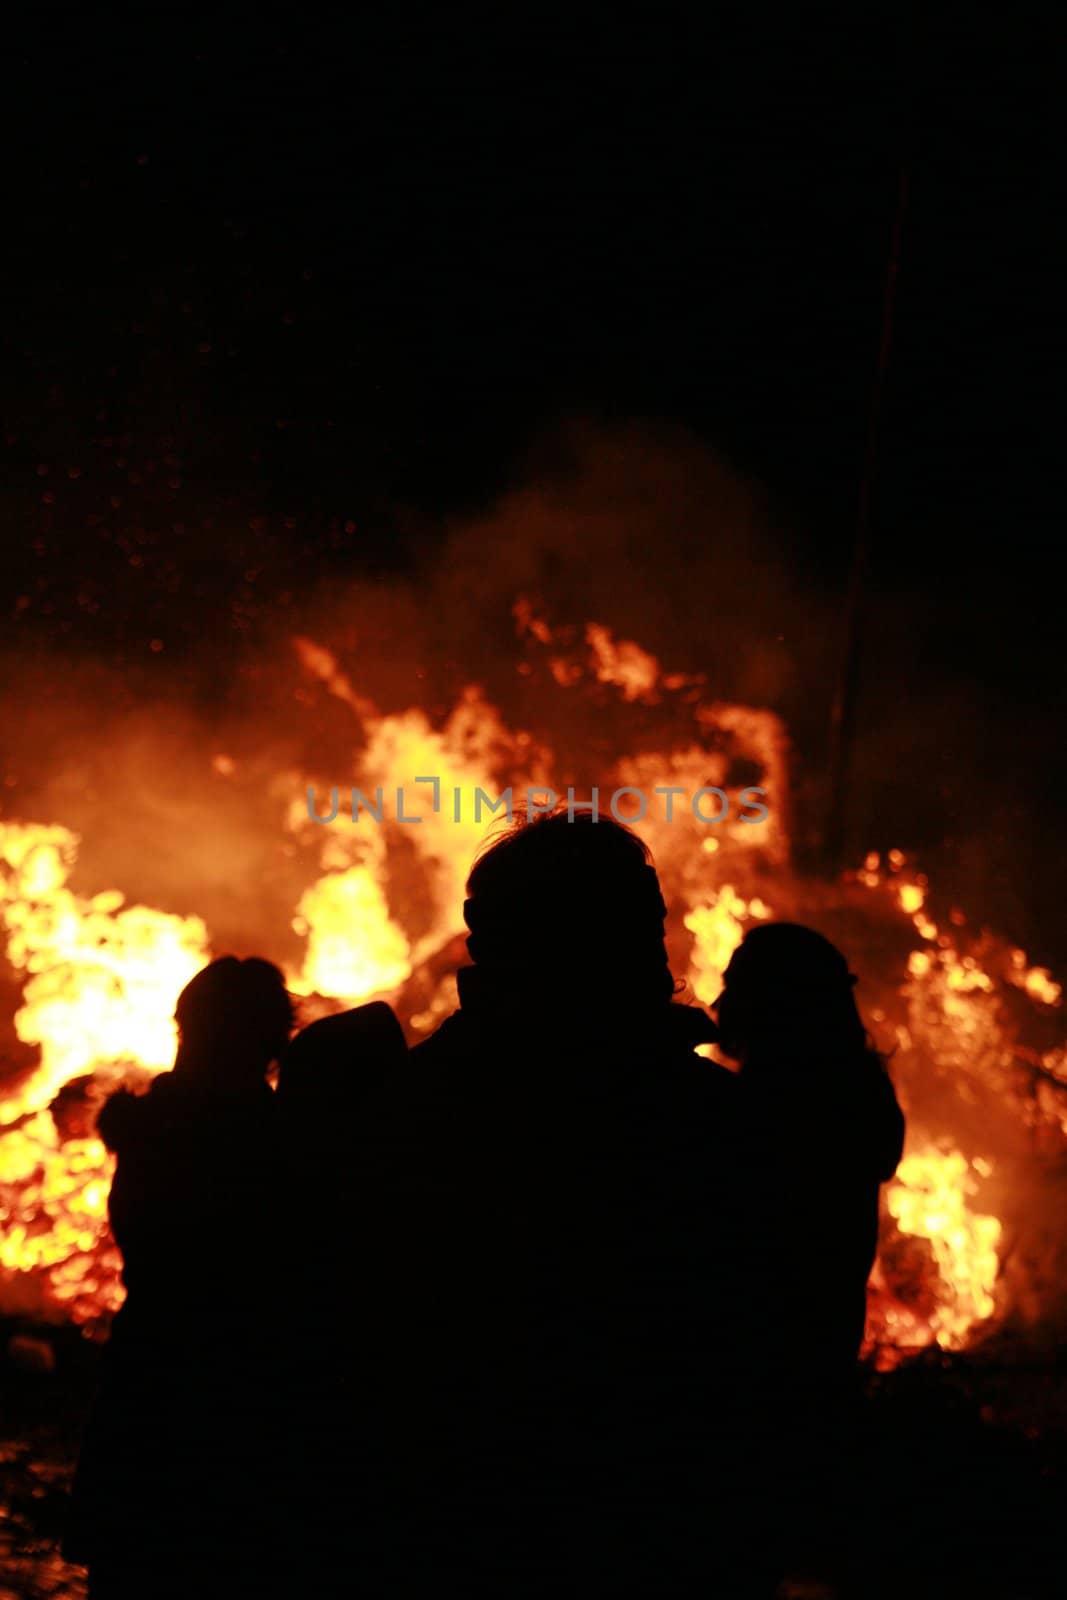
330, 1079
819, 1131
547, 1293
178, 1466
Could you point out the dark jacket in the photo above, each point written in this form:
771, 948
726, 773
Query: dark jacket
330, 1079
816, 1140
180, 1443
549, 1287
191, 1204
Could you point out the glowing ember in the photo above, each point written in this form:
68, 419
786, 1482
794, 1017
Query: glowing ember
1037, 981
624, 664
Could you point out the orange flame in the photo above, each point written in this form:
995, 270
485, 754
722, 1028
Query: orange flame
102, 976
930, 1199
384, 901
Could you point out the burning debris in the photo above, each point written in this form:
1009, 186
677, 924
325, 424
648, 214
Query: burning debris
970, 1026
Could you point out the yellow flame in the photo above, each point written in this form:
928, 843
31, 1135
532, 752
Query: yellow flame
53, 1206
1037, 981
382, 902
354, 950
102, 977
102, 980
717, 928
930, 1199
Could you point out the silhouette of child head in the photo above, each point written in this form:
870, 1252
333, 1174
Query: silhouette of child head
335, 1064
234, 1019
562, 909
788, 990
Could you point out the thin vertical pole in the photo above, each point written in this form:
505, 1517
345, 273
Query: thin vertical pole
842, 717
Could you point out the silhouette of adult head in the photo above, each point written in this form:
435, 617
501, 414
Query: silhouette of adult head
566, 914
788, 989
334, 1065
234, 1019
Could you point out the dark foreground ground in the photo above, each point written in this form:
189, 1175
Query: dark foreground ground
963, 1481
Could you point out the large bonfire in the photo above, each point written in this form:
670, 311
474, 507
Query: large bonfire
970, 1026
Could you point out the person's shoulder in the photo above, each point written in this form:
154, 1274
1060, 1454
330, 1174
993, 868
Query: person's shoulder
719, 1081
696, 1094
450, 1041
701, 1074
408, 1091
451, 1044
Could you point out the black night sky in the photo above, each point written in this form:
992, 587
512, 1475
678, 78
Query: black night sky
284, 297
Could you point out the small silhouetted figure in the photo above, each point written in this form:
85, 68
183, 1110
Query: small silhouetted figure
820, 1130
328, 1085
177, 1471
548, 1292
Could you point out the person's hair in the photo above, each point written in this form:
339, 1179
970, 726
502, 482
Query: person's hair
788, 989
234, 1018
563, 904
